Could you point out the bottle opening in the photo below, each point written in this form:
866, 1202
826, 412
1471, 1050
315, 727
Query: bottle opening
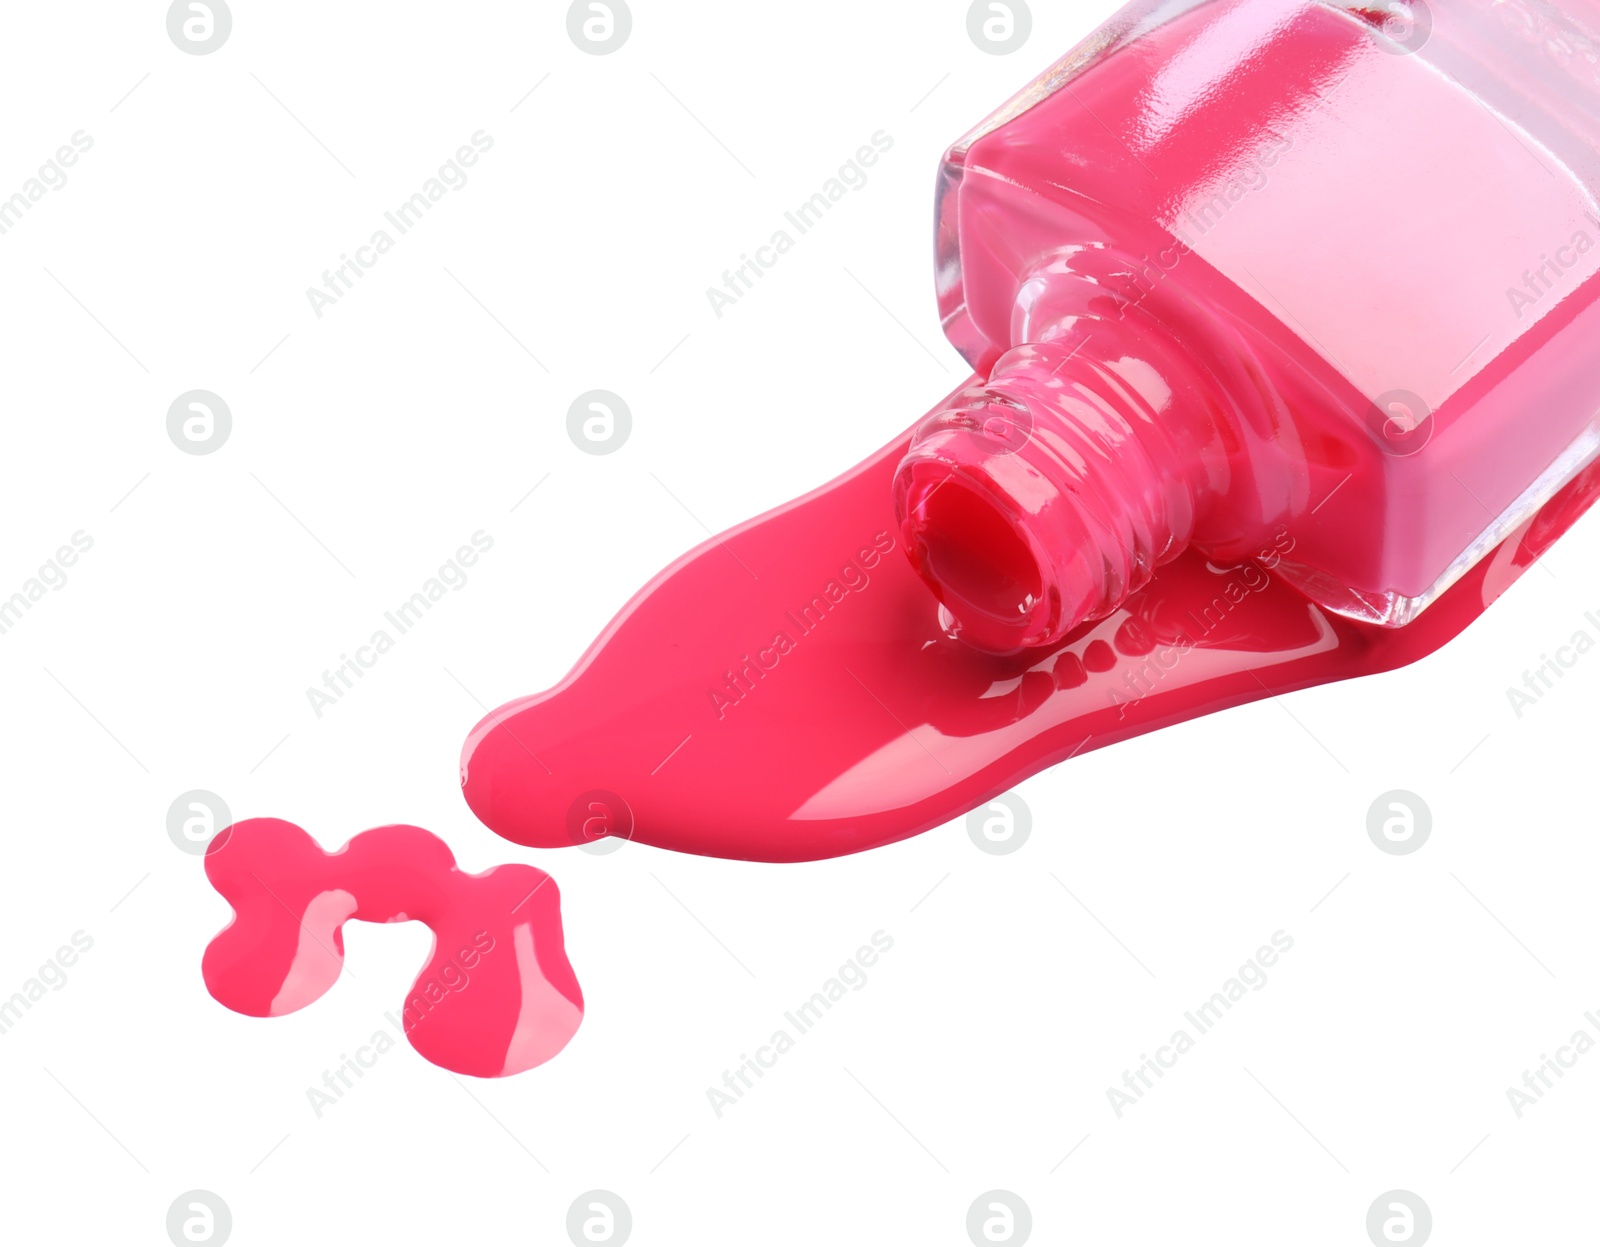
972, 549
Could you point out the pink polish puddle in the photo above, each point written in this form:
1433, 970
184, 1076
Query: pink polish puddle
786, 692
497, 995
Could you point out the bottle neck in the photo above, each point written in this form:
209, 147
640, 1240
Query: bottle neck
1043, 498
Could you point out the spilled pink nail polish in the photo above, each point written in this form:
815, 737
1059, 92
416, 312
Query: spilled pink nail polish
497, 995
1281, 314
1282, 318
821, 709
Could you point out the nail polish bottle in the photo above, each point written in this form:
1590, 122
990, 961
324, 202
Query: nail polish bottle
1237, 275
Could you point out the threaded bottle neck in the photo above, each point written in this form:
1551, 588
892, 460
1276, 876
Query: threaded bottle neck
1043, 498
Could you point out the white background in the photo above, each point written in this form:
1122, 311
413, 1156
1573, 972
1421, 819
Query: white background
370, 443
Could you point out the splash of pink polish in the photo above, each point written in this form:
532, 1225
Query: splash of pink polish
496, 996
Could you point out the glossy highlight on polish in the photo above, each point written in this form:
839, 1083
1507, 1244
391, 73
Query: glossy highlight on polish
496, 996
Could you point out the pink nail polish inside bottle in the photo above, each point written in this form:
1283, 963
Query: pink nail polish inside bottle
1303, 277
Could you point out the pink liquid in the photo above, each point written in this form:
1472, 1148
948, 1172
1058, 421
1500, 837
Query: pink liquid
496, 996
1283, 327
821, 709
